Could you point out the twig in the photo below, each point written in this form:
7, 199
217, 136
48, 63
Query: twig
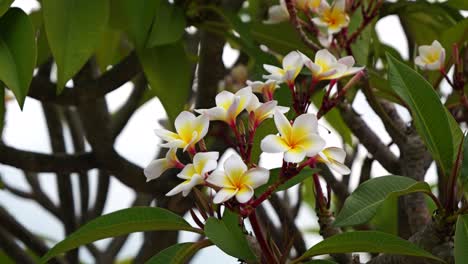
295, 21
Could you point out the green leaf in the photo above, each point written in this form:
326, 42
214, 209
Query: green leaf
122, 222
2, 115
178, 253
134, 17
366, 241
364, 202
168, 25
458, 4
109, 50
428, 113
169, 74
228, 236
274, 177
386, 216
464, 166
4, 6
73, 28
461, 239
43, 49
17, 52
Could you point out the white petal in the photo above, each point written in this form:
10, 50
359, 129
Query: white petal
420, 62
253, 104
179, 188
425, 50
171, 155
166, 135
194, 181
312, 144
304, 124
282, 109
283, 125
339, 167
292, 60
295, 155
256, 177
174, 144
314, 68
339, 5
335, 153
244, 195
319, 22
276, 14
265, 110
219, 178
224, 195
234, 167
433, 66
273, 69
187, 172
183, 121
214, 113
155, 169
233, 110
348, 61
256, 86
201, 125
324, 57
224, 99
273, 144
205, 161
436, 44
352, 71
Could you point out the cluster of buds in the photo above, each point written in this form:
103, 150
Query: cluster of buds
297, 139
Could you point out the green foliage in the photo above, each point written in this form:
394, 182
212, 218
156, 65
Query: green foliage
461, 239
122, 222
226, 234
364, 202
178, 253
168, 25
367, 241
4, 5
429, 115
73, 29
17, 52
169, 73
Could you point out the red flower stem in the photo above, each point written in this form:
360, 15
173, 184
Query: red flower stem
238, 139
257, 229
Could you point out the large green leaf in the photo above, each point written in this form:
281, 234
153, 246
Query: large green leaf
169, 73
274, 177
364, 202
73, 28
2, 115
178, 253
122, 222
428, 113
134, 17
464, 166
4, 5
458, 4
17, 52
228, 236
168, 25
461, 239
43, 49
366, 241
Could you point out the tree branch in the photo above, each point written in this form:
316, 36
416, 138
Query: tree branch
12, 249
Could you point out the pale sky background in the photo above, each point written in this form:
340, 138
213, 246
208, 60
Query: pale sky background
27, 130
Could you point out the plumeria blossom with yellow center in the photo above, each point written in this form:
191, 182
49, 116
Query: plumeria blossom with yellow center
327, 67
334, 158
237, 180
431, 57
292, 66
157, 167
296, 141
333, 17
277, 13
266, 88
190, 129
196, 173
228, 105
261, 111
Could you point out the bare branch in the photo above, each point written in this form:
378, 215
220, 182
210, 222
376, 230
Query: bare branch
12, 249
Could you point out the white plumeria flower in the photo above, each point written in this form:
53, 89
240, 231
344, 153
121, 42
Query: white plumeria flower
334, 17
196, 173
334, 158
277, 13
228, 105
308, 5
327, 67
296, 141
158, 166
262, 111
431, 57
190, 129
236, 180
292, 66
266, 88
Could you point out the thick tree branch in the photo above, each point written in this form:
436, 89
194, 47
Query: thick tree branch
369, 139
12, 249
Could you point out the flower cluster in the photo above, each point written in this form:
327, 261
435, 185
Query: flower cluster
298, 139
331, 18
